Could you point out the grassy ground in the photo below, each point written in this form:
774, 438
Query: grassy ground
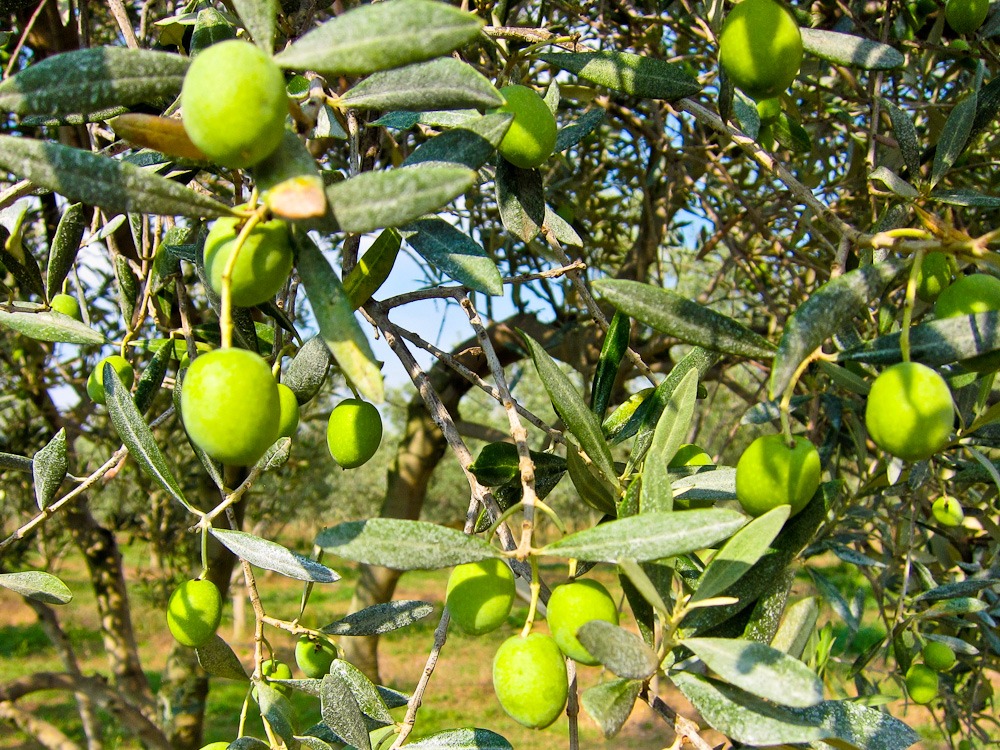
460, 693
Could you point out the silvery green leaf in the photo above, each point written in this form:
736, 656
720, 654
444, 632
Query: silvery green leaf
718, 484
623, 653
48, 468
272, 556
954, 137
65, 245
671, 428
470, 144
850, 50
260, 17
462, 739
12, 462
455, 254
307, 370
380, 618
34, 321
521, 200
276, 709
645, 77
906, 135
340, 711
575, 132
798, 624
610, 703
217, 658
445, 83
365, 693
38, 585
894, 182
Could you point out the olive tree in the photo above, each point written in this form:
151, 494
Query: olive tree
675, 261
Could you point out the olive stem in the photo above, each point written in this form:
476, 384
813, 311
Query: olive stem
533, 604
786, 397
226, 303
911, 297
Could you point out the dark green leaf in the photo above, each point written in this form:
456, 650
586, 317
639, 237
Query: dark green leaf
596, 491
65, 245
791, 135
403, 545
374, 200
675, 315
650, 536
572, 134
906, 135
610, 703
740, 553
671, 428
373, 268
11, 462
963, 197
340, 711
850, 50
117, 186
521, 199
37, 585
462, 739
954, 137
337, 325
957, 589
612, 353
380, 618
640, 76
760, 670
128, 288
259, 18
137, 437
935, 343
572, 409
445, 83
152, 377
381, 36
498, 463
307, 370
34, 321
272, 556
470, 145
454, 253
622, 652
829, 308
48, 467
217, 658
94, 79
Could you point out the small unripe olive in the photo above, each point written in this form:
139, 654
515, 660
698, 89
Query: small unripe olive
233, 103
529, 678
772, 473
935, 275
354, 432
760, 47
230, 405
909, 412
966, 16
689, 454
571, 606
314, 656
938, 656
532, 134
262, 266
194, 612
95, 382
948, 511
288, 421
921, 683
275, 669
66, 304
480, 595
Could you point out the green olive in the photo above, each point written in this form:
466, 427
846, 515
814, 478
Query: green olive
921, 684
230, 405
935, 274
66, 304
966, 16
772, 473
910, 413
288, 421
95, 383
354, 432
571, 606
971, 295
532, 135
194, 612
938, 656
529, 678
262, 266
760, 47
314, 656
947, 511
689, 454
480, 595
234, 104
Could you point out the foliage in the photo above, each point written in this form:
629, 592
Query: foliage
758, 266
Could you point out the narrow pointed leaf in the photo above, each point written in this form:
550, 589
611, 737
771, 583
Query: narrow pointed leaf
798, 625
562, 230
713, 486
828, 309
307, 370
48, 468
137, 437
938, 342
276, 709
906, 135
671, 428
364, 692
381, 36
445, 83
612, 353
380, 618
850, 50
954, 137
373, 268
650, 536
622, 652
521, 200
218, 659
337, 325
13, 462
610, 703
37, 585
594, 490
760, 670
35, 322
403, 545
272, 556
645, 77
740, 553
570, 406
152, 377
115, 185
575, 132
454, 253
65, 245
676, 315
340, 711
91, 80
462, 739
374, 200
470, 145
259, 16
